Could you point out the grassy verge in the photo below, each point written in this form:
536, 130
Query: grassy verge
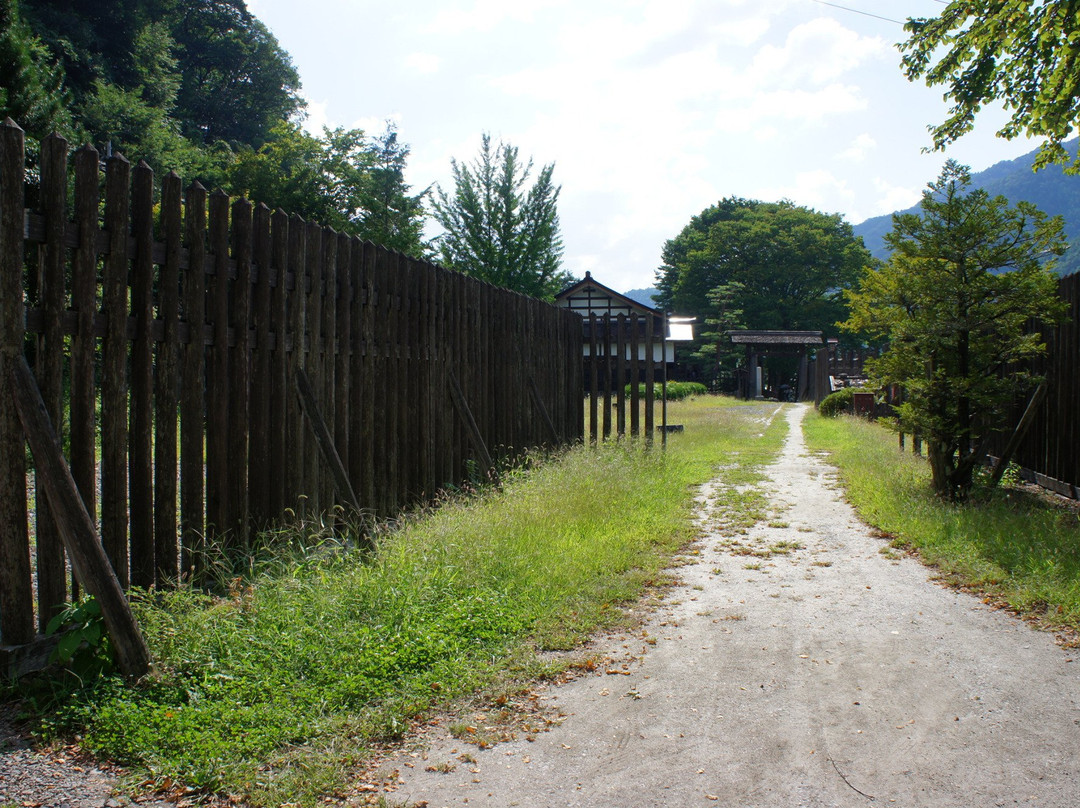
1018, 547
273, 692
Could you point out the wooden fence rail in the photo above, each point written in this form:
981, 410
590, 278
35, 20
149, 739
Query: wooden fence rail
167, 330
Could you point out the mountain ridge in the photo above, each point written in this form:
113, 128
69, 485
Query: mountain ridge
1051, 190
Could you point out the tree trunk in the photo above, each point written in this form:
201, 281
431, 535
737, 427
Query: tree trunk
941, 456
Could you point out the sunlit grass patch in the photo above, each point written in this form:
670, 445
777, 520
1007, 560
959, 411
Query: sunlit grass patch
1007, 542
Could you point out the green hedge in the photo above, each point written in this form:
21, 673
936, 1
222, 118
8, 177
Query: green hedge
843, 400
676, 391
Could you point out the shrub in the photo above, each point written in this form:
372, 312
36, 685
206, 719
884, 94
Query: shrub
676, 391
843, 400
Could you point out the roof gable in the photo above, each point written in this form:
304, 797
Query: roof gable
591, 295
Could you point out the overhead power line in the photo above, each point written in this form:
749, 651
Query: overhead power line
858, 11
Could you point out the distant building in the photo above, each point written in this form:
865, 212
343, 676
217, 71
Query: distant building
590, 297
792, 344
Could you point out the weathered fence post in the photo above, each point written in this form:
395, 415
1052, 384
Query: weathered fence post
49, 362
342, 337
114, 385
295, 358
650, 377
239, 380
16, 599
141, 435
260, 472
83, 343
279, 379
635, 377
312, 362
594, 381
167, 386
193, 391
217, 392
620, 382
606, 328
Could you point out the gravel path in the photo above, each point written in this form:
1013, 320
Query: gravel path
54, 778
829, 675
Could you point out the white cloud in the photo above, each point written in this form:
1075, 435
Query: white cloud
818, 189
767, 110
740, 33
423, 63
317, 116
892, 198
485, 15
858, 148
819, 51
373, 126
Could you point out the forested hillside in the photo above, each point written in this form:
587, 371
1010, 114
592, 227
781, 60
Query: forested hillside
1051, 190
201, 87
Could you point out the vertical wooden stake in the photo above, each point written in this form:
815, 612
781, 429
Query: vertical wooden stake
16, 592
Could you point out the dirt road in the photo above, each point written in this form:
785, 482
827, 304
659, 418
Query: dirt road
827, 675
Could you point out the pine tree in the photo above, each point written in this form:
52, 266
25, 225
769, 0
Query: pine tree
965, 279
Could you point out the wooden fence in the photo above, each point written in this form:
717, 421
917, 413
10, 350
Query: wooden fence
169, 331
624, 351
844, 365
1050, 449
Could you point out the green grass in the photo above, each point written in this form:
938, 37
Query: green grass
275, 690
1016, 546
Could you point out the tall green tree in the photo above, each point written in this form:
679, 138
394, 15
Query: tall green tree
32, 91
203, 88
138, 120
121, 120
90, 40
499, 228
344, 179
783, 266
965, 279
1023, 54
237, 83
210, 65
392, 216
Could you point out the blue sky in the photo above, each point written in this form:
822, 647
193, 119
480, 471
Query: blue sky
651, 110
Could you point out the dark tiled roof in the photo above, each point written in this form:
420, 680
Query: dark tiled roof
776, 337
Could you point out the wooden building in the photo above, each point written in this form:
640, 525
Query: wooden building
596, 303
790, 344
